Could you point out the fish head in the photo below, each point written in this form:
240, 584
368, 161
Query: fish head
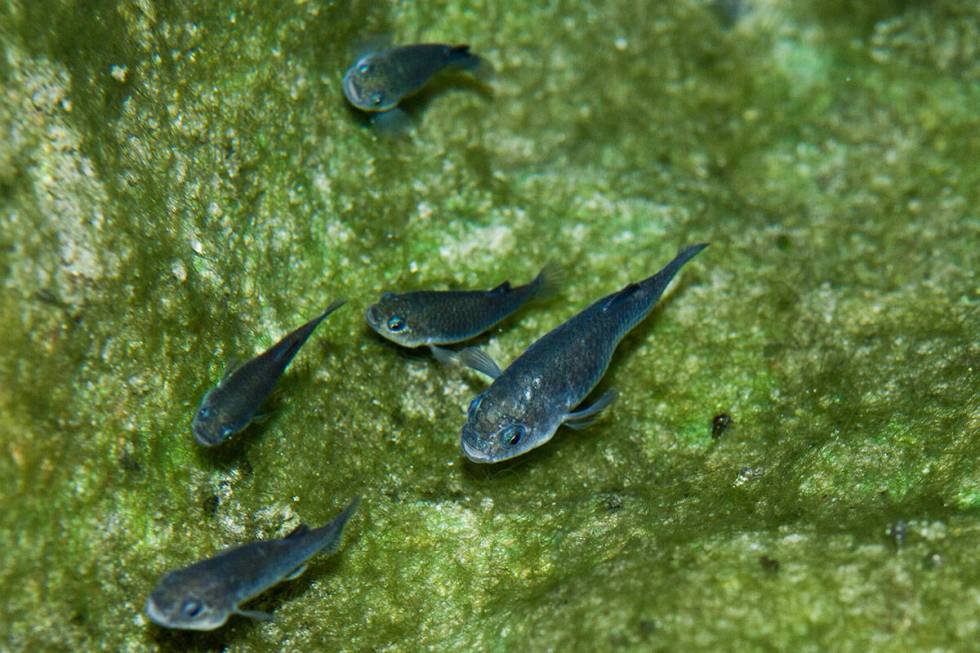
499, 428
398, 319
211, 425
185, 599
368, 84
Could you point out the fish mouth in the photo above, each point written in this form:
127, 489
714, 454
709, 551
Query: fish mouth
474, 454
202, 436
371, 316
155, 614
350, 89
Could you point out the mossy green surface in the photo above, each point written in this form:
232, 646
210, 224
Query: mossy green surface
182, 183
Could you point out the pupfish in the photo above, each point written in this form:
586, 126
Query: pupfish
441, 317
232, 405
541, 389
203, 595
380, 79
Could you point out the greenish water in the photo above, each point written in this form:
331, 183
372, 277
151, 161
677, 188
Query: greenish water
182, 183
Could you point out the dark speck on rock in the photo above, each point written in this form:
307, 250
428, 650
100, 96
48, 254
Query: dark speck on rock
769, 565
210, 504
612, 502
719, 424
897, 532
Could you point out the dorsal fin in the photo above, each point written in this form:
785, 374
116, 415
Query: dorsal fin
623, 294
299, 530
502, 288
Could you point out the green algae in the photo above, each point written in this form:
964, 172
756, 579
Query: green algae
181, 184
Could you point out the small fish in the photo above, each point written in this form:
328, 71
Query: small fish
203, 595
232, 405
379, 80
442, 317
527, 402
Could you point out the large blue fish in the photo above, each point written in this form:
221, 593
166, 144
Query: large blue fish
540, 391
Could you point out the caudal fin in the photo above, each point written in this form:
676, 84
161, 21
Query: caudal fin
656, 284
330, 534
548, 282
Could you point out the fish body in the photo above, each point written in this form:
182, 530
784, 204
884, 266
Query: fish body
527, 402
203, 595
379, 80
428, 317
232, 405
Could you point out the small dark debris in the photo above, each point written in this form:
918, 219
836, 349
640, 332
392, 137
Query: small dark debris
897, 532
210, 504
130, 463
769, 565
646, 627
719, 424
932, 560
612, 502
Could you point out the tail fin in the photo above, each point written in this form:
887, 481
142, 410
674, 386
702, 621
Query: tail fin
656, 284
330, 534
284, 350
330, 309
548, 282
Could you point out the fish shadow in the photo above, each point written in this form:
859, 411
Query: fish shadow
228, 455
444, 84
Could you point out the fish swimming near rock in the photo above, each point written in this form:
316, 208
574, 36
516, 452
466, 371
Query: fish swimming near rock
232, 405
442, 317
203, 595
527, 402
382, 78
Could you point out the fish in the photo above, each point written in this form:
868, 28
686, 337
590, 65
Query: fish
381, 78
233, 404
205, 594
442, 317
526, 403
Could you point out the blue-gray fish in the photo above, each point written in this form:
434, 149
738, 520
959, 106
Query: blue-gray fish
539, 392
442, 317
379, 80
232, 405
203, 595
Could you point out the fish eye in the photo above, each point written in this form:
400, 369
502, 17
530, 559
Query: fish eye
474, 405
395, 323
204, 412
363, 69
514, 435
191, 608
376, 98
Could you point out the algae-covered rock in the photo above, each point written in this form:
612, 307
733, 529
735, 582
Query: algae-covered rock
182, 183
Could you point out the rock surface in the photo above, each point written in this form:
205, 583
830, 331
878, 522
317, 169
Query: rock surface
182, 183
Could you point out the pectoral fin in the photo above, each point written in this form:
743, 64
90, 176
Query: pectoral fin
296, 573
255, 614
479, 360
581, 419
231, 367
443, 355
